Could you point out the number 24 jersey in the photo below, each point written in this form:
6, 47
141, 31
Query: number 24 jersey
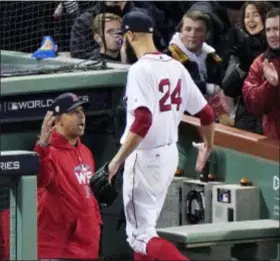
163, 85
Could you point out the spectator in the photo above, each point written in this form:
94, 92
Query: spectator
171, 18
110, 50
224, 16
71, 8
250, 43
68, 214
261, 89
190, 48
82, 44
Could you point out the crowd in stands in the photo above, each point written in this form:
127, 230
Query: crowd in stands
231, 50
217, 41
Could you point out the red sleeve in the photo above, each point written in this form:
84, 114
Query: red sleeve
258, 94
46, 172
142, 122
206, 115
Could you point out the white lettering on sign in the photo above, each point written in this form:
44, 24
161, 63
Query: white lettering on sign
276, 186
276, 211
35, 104
276, 183
9, 165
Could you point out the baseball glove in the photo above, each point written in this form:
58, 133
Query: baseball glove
104, 192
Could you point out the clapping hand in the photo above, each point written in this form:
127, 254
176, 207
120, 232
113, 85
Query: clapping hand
270, 73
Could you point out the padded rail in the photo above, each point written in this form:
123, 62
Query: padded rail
239, 140
222, 232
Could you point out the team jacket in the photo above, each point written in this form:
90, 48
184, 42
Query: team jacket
262, 98
68, 214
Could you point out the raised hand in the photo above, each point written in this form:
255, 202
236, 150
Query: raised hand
270, 73
47, 128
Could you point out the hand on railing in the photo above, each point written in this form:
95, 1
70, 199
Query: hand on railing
202, 157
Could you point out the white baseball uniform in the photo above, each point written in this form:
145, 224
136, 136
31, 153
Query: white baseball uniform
165, 87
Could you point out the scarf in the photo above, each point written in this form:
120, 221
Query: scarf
199, 59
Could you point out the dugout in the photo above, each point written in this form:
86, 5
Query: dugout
236, 154
25, 98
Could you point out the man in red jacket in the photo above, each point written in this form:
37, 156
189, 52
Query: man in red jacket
261, 89
68, 214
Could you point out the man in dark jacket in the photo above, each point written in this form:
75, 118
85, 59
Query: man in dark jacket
261, 89
249, 44
204, 65
82, 43
224, 16
189, 47
199, 58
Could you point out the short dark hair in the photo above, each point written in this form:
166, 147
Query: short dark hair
197, 15
273, 12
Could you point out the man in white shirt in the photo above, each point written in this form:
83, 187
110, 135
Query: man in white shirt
159, 89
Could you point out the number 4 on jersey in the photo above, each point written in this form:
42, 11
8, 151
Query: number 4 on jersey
175, 96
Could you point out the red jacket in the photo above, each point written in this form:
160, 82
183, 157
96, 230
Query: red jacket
68, 214
262, 98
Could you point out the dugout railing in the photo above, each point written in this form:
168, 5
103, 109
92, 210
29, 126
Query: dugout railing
19, 214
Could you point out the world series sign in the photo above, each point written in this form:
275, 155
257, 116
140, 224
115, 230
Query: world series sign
29, 107
18, 163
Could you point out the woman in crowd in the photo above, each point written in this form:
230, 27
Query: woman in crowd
251, 42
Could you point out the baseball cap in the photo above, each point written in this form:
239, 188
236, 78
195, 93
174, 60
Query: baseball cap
67, 102
137, 21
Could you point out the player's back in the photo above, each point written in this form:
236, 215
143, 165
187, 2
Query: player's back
165, 87
164, 81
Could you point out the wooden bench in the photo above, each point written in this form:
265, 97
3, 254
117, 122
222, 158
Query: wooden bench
216, 241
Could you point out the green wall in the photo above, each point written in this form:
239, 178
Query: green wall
103, 146
230, 166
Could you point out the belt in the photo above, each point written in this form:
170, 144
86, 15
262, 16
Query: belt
157, 147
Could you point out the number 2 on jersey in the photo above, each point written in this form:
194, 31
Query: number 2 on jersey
175, 96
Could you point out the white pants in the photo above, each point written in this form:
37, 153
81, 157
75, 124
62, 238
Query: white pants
147, 176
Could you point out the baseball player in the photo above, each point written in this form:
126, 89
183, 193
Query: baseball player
159, 90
